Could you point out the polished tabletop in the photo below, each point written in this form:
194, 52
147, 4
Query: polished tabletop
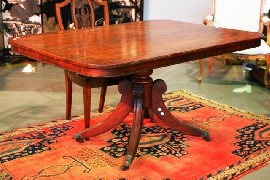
124, 48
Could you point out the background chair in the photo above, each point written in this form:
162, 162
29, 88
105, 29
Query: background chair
242, 15
77, 14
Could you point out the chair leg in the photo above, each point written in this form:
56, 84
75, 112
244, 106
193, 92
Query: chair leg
257, 62
102, 99
266, 72
87, 103
210, 64
201, 71
68, 96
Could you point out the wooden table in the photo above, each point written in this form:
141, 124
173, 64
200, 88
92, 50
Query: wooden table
136, 49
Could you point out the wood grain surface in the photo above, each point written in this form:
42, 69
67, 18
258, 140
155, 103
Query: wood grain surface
125, 48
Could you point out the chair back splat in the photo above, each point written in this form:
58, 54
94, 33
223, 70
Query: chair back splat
83, 13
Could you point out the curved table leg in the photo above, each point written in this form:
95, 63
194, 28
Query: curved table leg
117, 116
147, 98
136, 126
159, 88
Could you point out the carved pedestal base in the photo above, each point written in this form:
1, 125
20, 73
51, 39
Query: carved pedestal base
143, 96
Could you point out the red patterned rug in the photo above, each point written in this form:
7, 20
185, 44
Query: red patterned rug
240, 144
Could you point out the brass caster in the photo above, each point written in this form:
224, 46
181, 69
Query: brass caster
128, 162
206, 136
124, 168
78, 138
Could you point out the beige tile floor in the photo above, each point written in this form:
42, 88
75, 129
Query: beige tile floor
32, 98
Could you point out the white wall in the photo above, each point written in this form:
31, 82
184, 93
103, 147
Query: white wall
266, 6
193, 11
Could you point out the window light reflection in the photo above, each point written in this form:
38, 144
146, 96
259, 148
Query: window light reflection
28, 68
246, 88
